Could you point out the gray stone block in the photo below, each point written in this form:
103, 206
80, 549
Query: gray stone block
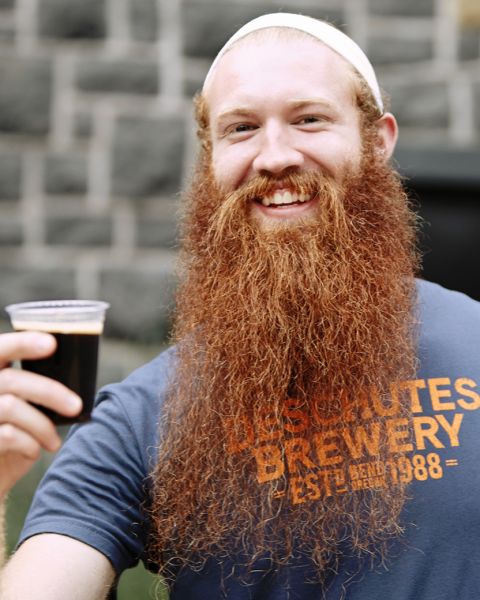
477, 108
207, 24
143, 20
469, 44
118, 76
422, 105
10, 231
25, 95
78, 231
7, 32
415, 8
332, 12
83, 125
66, 174
20, 284
194, 75
157, 233
148, 156
72, 19
10, 174
384, 51
141, 303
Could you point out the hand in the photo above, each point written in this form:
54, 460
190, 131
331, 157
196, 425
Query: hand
23, 429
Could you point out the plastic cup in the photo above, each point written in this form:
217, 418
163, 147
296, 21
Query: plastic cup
77, 326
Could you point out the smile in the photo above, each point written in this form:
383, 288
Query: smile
284, 198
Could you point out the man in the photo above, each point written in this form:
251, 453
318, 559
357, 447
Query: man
313, 433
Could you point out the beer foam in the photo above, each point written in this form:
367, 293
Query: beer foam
80, 327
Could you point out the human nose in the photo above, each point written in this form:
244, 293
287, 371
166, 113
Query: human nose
276, 152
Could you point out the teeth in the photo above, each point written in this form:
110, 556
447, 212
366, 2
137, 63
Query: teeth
284, 197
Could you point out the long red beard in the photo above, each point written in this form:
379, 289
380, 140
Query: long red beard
280, 334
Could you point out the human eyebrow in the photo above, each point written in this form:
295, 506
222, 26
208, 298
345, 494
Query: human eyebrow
237, 111
312, 103
223, 122
227, 115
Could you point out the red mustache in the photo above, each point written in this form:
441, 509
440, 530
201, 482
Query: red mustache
309, 183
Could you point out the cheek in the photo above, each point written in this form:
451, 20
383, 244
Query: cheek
223, 177
355, 151
230, 168
341, 156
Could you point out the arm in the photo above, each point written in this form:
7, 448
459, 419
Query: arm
46, 566
55, 567
97, 489
23, 429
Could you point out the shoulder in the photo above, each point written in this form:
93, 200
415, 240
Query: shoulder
449, 329
441, 310
435, 300
147, 384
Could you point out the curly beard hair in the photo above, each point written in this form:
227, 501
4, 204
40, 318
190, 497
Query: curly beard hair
284, 336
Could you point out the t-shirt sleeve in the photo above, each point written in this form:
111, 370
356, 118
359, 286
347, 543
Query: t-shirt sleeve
97, 489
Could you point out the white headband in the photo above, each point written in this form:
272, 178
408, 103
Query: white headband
324, 32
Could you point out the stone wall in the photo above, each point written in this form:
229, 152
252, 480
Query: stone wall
96, 132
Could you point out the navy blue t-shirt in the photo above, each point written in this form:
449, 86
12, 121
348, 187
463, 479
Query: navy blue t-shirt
97, 488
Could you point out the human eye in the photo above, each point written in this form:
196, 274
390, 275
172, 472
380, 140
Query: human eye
239, 131
240, 128
312, 121
308, 119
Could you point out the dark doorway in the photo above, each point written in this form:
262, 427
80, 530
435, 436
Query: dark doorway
445, 186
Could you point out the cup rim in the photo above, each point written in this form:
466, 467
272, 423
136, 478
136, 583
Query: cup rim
52, 307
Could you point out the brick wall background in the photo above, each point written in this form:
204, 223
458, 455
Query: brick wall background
97, 138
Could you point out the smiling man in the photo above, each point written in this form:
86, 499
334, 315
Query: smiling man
313, 432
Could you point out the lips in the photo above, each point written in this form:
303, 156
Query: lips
284, 198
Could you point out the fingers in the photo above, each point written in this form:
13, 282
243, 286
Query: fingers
39, 390
24, 429
16, 441
25, 345
18, 452
34, 388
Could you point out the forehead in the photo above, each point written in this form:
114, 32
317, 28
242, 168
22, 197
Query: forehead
273, 64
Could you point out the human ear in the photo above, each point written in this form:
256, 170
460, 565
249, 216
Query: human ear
387, 135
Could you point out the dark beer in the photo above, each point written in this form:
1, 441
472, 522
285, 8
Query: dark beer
77, 326
74, 364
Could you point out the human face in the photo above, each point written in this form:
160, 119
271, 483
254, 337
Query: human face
279, 106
